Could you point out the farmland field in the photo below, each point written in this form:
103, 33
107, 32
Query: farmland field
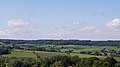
76, 51
29, 54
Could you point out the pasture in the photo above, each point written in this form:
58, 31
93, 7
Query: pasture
76, 51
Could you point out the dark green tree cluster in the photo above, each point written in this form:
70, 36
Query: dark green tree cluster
19, 62
95, 62
63, 42
4, 50
59, 61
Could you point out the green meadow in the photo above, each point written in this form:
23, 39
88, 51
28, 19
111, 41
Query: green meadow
76, 51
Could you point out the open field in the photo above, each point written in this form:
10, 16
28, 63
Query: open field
25, 53
76, 51
20, 53
29, 54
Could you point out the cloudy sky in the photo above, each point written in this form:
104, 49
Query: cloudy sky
60, 19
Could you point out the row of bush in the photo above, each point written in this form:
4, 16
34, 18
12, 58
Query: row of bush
58, 61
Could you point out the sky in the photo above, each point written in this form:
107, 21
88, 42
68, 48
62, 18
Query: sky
60, 19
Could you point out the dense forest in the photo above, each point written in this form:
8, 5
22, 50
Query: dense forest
4, 50
63, 42
59, 61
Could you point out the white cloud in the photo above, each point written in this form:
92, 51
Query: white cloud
2, 33
77, 26
114, 23
21, 29
76, 23
80, 31
89, 29
57, 35
17, 23
17, 29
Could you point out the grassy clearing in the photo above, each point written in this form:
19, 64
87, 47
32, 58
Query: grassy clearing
21, 53
77, 48
86, 56
25, 53
76, 51
49, 54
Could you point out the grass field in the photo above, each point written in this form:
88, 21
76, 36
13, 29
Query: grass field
25, 53
20, 53
76, 51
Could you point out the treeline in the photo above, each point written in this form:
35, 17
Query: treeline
59, 61
63, 42
4, 50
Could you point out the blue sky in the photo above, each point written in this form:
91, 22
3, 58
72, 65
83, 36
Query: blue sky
60, 19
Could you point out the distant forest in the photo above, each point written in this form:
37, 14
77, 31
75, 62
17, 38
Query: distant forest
63, 42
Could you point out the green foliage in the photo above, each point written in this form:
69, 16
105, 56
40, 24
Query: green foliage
117, 64
111, 61
4, 50
62, 42
58, 61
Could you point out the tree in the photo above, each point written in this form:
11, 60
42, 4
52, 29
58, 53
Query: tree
105, 54
111, 60
16, 63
